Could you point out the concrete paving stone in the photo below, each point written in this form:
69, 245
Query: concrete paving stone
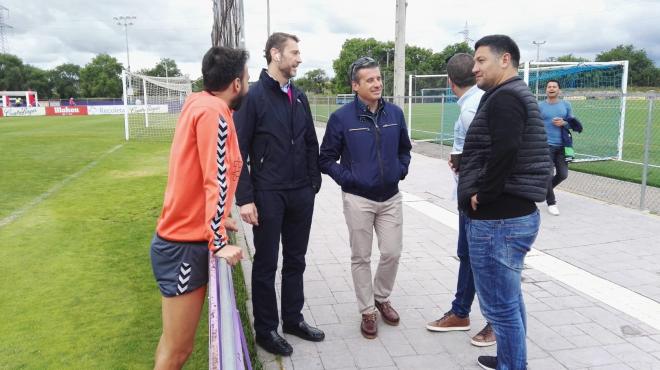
307, 363
317, 289
301, 347
339, 284
412, 318
601, 334
630, 354
432, 287
342, 330
335, 355
533, 350
541, 294
605, 318
546, 338
426, 362
556, 289
560, 317
320, 301
583, 341
324, 314
345, 297
645, 343
536, 307
560, 303
585, 357
546, 363
567, 331
369, 353
618, 366
396, 344
422, 342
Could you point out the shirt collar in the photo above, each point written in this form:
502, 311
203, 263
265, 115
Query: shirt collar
471, 91
285, 88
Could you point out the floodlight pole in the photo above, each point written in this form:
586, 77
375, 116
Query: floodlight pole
268, 18
538, 53
126, 21
400, 54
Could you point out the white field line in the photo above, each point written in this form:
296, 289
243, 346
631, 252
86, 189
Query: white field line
36, 201
616, 296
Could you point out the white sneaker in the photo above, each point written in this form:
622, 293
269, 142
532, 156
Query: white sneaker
553, 210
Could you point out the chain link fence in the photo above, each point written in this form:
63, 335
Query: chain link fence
618, 153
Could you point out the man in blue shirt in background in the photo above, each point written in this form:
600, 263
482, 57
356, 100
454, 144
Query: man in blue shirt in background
555, 113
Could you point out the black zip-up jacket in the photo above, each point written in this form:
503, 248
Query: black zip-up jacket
373, 149
277, 140
505, 158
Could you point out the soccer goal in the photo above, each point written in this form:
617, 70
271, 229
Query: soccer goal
431, 108
152, 105
597, 93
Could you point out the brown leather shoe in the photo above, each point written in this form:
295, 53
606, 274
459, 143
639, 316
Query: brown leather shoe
449, 322
484, 338
390, 316
368, 327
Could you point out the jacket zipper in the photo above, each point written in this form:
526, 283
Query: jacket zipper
378, 154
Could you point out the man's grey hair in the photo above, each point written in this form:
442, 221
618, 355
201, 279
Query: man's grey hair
459, 69
361, 63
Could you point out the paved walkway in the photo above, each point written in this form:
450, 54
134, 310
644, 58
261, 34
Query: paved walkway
592, 287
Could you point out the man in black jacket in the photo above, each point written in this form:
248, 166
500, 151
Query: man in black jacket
370, 138
276, 195
504, 170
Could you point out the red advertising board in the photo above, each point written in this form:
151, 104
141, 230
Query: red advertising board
1, 112
78, 110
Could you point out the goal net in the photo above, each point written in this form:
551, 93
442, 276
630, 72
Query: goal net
597, 94
152, 105
431, 108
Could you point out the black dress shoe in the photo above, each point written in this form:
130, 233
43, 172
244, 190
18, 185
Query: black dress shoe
275, 344
304, 331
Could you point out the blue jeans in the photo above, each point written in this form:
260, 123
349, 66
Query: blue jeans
497, 254
465, 287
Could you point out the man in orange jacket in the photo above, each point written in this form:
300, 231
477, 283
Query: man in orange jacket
205, 164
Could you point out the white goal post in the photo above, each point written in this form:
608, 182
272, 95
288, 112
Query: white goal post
597, 92
152, 105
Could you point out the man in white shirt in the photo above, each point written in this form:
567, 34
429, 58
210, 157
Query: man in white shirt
463, 84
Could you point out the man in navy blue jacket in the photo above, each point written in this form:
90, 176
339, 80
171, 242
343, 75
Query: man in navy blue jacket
370, 139
277, 138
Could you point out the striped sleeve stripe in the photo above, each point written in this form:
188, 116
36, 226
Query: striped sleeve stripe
221, 151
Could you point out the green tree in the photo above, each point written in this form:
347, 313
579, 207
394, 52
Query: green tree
165, 67
100, 77
65, 79
351, 50
568, 58
12, 73
315, 81
439, 60
642, 72
38, 80
418, 61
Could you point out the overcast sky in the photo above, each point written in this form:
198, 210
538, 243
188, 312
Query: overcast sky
49, 33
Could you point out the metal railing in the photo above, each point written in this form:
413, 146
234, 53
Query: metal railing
618, 161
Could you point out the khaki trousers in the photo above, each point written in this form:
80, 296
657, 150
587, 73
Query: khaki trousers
362, 217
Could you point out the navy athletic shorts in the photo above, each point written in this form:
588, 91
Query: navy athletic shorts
179, 267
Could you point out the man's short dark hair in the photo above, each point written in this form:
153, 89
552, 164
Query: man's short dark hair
221, 66
459, 69
500, 44
555, 81
277, 41
361, 63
